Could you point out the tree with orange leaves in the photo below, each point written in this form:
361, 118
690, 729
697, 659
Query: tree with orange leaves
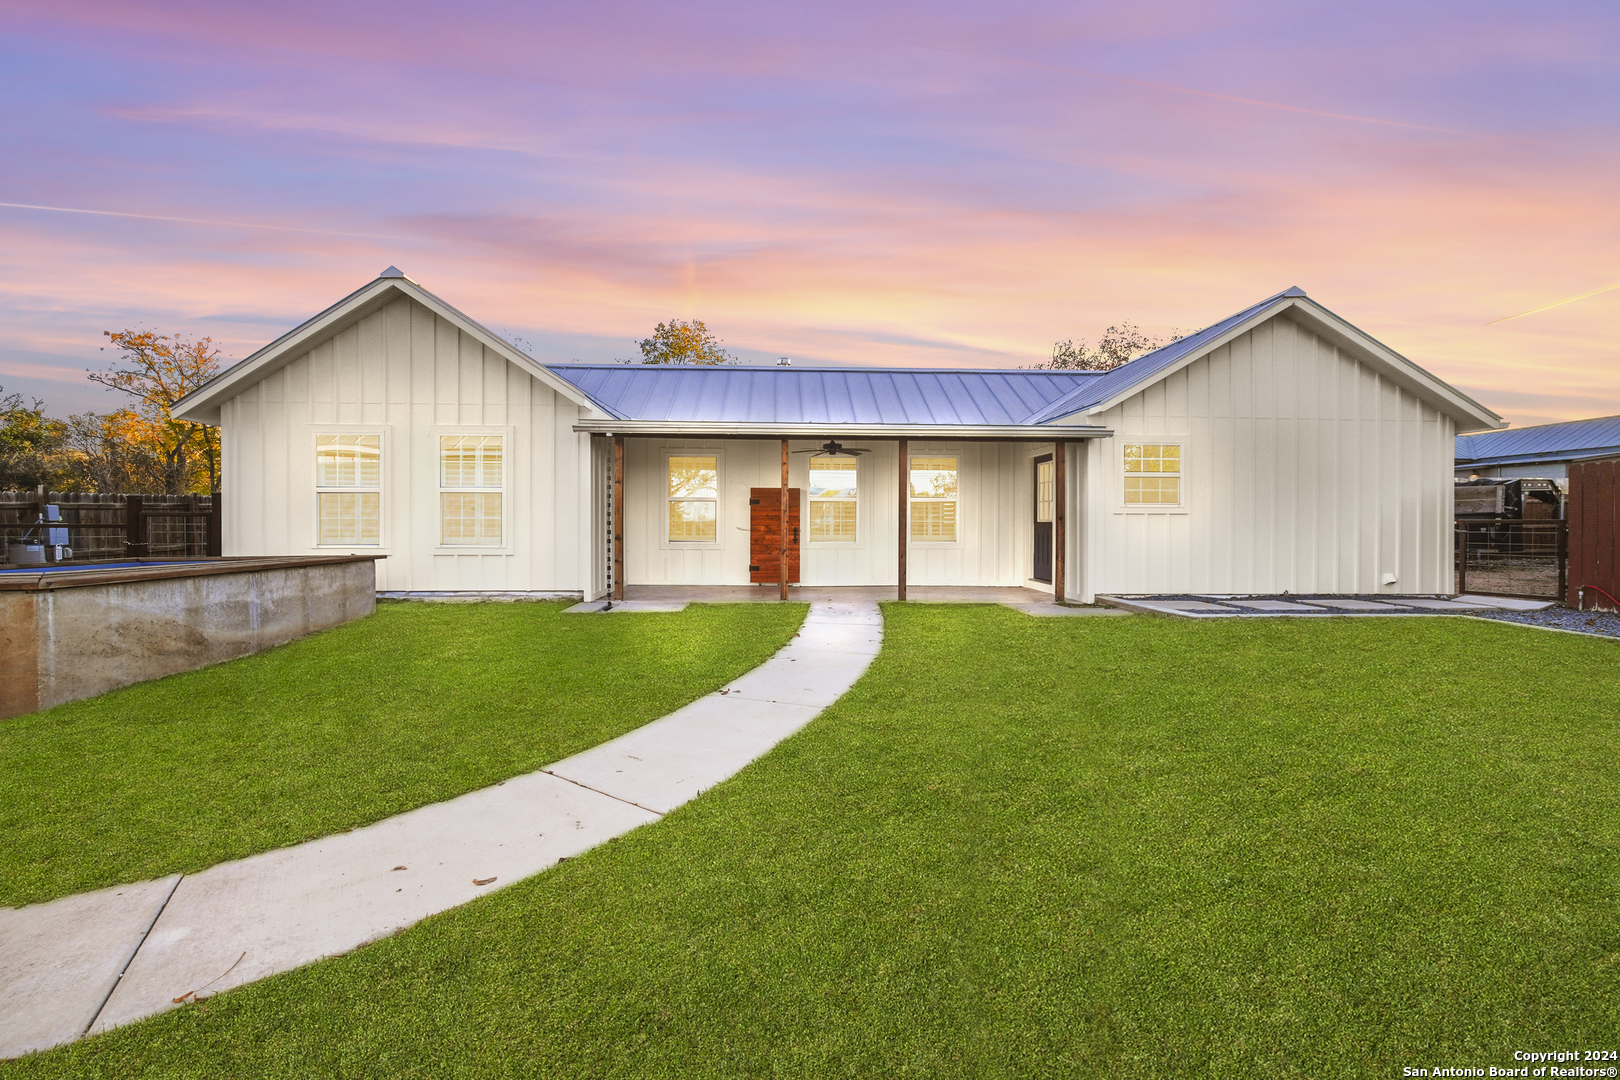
158, 371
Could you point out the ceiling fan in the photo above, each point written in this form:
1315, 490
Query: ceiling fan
832, 448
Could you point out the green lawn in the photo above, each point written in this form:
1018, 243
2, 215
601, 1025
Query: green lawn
418, 703
1022, 848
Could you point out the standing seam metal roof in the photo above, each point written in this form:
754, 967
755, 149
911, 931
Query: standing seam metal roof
1544, 442
788, 395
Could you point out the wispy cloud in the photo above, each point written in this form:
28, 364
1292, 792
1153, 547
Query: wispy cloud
199, 221
1203, 93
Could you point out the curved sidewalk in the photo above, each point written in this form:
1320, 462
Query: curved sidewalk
95, 961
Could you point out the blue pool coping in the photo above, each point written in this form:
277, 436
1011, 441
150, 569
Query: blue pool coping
58, 568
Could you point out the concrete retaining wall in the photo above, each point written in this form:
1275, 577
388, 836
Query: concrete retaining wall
63, 642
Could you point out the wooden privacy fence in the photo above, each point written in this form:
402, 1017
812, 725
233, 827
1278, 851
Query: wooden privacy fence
1594, 534
110, 528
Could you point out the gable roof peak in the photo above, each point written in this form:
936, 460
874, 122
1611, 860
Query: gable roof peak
1292, 290
393, 271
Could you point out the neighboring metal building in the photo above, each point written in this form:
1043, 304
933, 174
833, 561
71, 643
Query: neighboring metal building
1545, 450
1279, 449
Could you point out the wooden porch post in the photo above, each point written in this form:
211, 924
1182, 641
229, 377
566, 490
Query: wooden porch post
905, 491
618, 517
1060, 506
782, 562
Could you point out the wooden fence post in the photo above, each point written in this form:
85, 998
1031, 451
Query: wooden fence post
216, 528
135, 546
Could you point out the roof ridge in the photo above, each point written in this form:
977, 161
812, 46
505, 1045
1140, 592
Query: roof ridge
1069, 372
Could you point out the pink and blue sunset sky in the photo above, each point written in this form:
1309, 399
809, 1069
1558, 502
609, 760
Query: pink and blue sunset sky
944, 185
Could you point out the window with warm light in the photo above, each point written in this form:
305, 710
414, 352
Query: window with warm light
348, 490
1152, 474
694, 497
472, 474
933, 499
1045, 490
833, 485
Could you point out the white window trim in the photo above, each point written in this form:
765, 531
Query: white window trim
860, 509
436, 476
662, 481
384, 433
961, 496
1118, 465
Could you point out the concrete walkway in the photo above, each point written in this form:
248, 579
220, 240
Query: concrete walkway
95, 961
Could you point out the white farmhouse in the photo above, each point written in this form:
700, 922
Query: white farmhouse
1279, 449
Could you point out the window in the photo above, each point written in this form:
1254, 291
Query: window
348, 489
1045, 490
933, 498
833, 483
472, 469
694, 495
1153, 474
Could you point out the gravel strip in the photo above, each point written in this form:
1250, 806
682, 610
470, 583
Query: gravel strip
1595, 623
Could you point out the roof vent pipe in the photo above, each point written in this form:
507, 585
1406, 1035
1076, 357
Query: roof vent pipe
784, 362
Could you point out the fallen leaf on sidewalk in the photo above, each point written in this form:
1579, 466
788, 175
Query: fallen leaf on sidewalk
482, 880
193, 994
397, 868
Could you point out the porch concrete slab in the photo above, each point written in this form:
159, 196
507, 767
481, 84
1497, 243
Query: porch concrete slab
1425, 604
1507, 603
1278, 606
242, 921
59, 961
1356, 605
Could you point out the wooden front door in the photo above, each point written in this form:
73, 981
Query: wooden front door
765, 535
1045, 503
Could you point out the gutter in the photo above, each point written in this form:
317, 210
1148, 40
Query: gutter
746, 430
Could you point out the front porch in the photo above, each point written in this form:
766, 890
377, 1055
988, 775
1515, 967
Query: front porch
947, 517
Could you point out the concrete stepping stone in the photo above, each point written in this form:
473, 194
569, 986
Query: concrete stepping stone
1357, 605
159, 944
1178, 606
1274, 605
1425, 604
1506, 603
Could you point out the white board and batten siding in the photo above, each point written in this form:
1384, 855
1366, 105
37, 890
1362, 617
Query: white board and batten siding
410, 376
1304, 470
994, 535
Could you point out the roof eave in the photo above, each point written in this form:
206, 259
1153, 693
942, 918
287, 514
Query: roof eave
1548, 457
726, 429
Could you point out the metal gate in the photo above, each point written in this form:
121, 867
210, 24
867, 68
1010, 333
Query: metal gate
1512, 557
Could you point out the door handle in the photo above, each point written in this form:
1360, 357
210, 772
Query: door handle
795, 534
